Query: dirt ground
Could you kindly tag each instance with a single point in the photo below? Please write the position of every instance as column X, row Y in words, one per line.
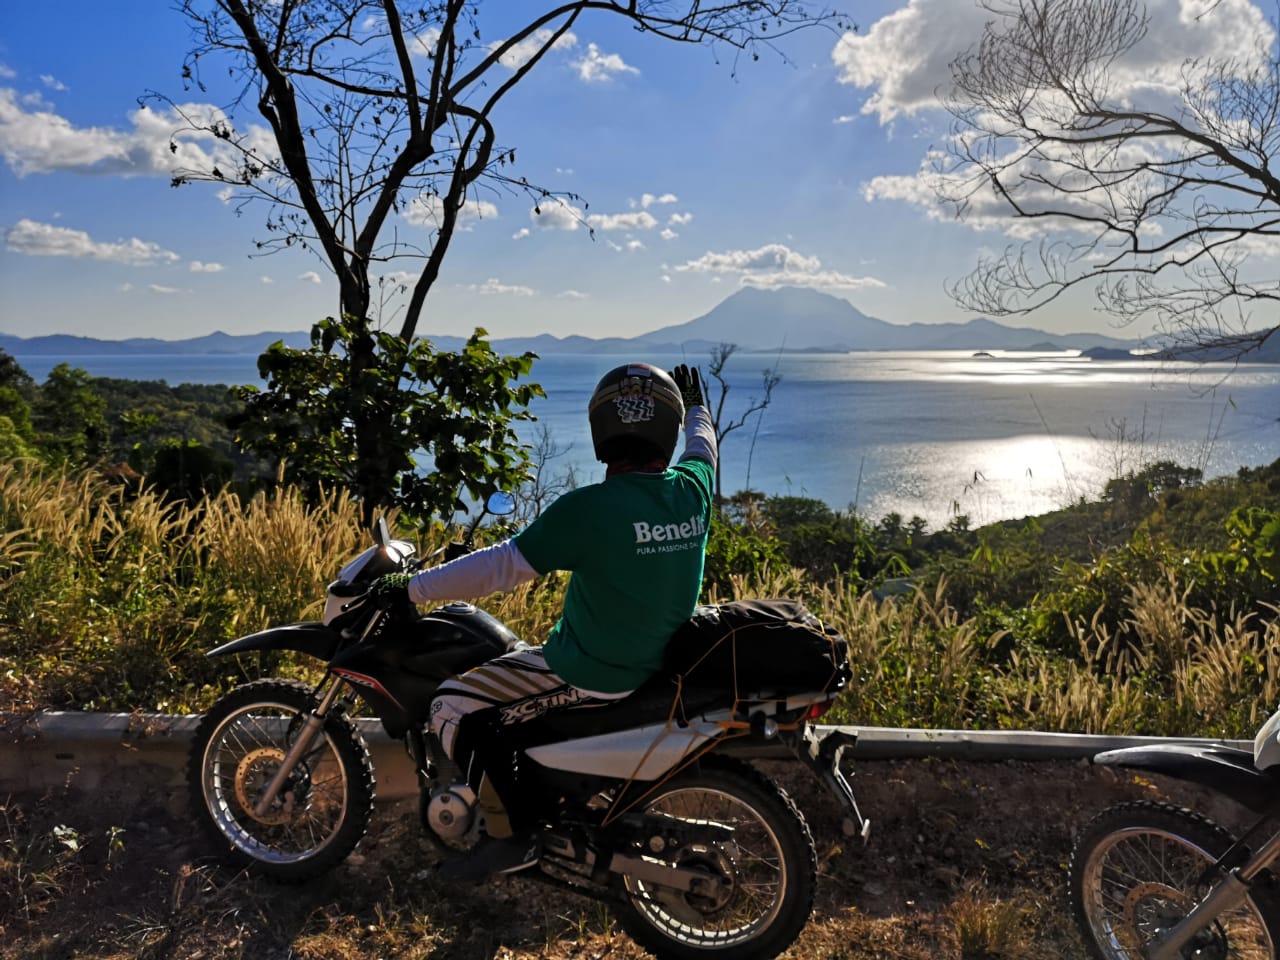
column 966, row 861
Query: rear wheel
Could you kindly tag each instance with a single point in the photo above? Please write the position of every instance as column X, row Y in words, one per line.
column 1134, row 874
column 766, row 871
column 322, row 811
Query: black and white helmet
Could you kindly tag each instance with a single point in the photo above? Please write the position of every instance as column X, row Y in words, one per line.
column 634, row 407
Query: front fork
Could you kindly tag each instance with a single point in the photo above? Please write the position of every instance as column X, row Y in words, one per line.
column 823, row 755
column 301, row 747
column 310, row 727
column 1227, row 894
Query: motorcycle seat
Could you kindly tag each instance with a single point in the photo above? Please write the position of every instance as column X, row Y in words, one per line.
column 653, row 702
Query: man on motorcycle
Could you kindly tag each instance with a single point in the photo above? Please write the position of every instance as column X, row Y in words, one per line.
column 634, row 545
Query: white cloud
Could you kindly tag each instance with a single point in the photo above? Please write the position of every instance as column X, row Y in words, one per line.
column 400, row 278
column 554, row 213
column 903, row 61
column 266, row 281
column 7, row 72
column 637, row 220
column 987, row 211
column 905, row 55
column 647, row 200
column 904, row 58
column 634, row 245
column 524, row 51
column 844, row 118
column 38, row 140
column 597, row 67
column 520, row 234
column 567, row 171
column 668, row 234
column 165, row 291
column 493, row 286
column 774, row 265
column 428, row 210
column 770, row 256
column 310, row 277
column 125, row 287
column 666, row 278
column 424, row 44
column 572, row 295
column 45, row 240
column 680, row 219
column 197, row 266
column 52, row 82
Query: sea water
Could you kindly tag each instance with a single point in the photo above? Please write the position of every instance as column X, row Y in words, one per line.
column 929, row 434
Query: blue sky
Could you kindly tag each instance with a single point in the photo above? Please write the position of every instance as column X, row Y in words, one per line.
column 809, row 170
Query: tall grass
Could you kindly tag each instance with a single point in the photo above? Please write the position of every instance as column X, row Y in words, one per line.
column 110, row 600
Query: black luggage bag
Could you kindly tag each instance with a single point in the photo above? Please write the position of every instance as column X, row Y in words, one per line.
column 754, row 647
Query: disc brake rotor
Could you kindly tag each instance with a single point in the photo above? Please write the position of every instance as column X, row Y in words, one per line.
column 1152, row 909
column 253, row 773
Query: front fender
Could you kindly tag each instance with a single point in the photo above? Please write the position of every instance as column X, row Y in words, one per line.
column 1227, row 770
column 313, row 639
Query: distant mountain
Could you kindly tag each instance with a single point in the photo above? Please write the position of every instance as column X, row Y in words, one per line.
column 1235, row 347
column 215, row 343
column 790, row 318
column 812, row 320
column 795, row 318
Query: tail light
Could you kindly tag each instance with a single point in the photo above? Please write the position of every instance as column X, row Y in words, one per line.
column 818, row 709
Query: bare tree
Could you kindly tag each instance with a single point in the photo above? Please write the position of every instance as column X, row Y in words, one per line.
column 377, row 108
column 544, row 486
column 380, row 118
column 1153, row 194
column 723, row 424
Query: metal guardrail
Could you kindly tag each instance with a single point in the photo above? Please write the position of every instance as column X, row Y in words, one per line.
column 53, row 748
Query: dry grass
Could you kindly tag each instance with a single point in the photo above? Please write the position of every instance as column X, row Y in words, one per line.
column 112, row 600
column 986, row 927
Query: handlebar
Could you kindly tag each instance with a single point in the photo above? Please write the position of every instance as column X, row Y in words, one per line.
column 498, row 505
column 452, row 551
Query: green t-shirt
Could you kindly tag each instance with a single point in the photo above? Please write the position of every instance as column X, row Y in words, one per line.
column 635, row 546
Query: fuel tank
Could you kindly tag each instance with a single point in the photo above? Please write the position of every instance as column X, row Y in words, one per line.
column 397, row 671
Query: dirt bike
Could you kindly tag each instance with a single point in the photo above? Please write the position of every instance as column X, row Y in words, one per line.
column 647, row 804
column 1151, row 881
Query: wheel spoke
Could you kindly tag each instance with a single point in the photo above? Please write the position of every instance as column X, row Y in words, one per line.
column 1138, row 877
column 749, row 868
column 237, row 778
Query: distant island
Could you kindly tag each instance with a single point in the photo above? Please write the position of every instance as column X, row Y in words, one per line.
column 793, row 319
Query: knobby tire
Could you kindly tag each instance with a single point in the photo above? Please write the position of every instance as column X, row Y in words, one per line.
column 1133, row 872
column 233, row 829
column 780, row 819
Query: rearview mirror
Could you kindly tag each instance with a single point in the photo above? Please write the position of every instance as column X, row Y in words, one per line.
column 381, row 533
column 501, row 503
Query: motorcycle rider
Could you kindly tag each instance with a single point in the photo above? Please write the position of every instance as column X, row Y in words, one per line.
column 634, row 545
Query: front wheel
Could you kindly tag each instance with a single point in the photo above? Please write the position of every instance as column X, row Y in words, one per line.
column 767, row 871
column 1134, row 874
column 322, row 811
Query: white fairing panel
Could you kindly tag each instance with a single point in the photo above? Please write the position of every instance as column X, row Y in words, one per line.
column 641, row 753
column 1266, row 745
column 397, row 550
column 350, row 571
